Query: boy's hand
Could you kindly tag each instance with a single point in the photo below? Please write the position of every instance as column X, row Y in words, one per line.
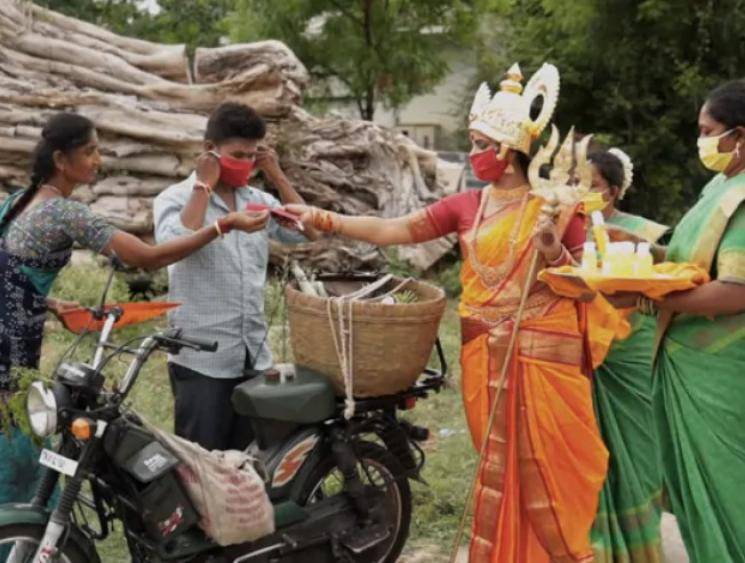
column 208, row 169
column 248, row 221
column 267, row 161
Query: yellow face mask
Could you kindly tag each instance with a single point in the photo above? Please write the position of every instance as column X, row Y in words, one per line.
column 593, row 201
column 708, row 152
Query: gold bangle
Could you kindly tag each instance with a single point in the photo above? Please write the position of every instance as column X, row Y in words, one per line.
column 217, row 228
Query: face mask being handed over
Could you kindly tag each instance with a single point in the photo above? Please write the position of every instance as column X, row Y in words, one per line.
column 234, row 172
column 487, row 167
column 708, row 152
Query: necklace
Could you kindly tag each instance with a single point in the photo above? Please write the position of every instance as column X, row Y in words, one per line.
column 506, row 195
column 491, row 276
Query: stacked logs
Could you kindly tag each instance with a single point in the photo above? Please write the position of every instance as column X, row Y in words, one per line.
column 149, row 104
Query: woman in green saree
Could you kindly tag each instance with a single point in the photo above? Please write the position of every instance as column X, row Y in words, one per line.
column 627, row 525
column 699, row 371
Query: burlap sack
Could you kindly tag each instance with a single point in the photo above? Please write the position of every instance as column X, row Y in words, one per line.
column 225, row 488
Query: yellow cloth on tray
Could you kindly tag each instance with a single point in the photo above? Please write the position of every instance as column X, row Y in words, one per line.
column 570, row 281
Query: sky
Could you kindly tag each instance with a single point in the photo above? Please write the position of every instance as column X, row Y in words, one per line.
column 150, row 5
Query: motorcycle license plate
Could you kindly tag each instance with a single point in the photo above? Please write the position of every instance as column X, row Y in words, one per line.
column 60, row 463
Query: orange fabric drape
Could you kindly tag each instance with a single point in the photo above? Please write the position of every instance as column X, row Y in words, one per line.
column 545, row 462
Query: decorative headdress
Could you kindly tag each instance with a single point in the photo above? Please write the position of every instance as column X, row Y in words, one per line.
column 505, row 117
column 570, row 177
column 628, row 169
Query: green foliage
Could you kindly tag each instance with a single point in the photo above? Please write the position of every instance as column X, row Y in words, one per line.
column 198, row 23
column 448, row 278
column 445, row 274
column 634, row 72
column 379, row 50
column 13, row 407
column 85, row 284
column 405, row 297
column 396, row 266
column 113, row 14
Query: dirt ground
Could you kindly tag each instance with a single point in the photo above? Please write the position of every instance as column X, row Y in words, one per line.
column 672, row 545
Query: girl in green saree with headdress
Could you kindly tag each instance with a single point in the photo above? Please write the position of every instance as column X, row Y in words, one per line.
column 627, row 525
column 699, row 370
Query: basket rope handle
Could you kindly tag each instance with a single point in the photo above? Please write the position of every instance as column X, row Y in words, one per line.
column 344, row 346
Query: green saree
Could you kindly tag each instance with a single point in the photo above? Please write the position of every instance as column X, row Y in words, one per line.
column 699, row 385
column 627, row 526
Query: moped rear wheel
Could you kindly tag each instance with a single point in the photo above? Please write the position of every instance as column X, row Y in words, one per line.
column 384, row 471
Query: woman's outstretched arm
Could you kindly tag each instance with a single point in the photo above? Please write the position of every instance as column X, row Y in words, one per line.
column 408, row 229
column 133, row 252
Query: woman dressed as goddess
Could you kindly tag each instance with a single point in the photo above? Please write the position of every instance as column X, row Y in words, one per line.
column 544, row 462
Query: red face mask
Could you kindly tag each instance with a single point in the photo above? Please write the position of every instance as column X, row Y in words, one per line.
column 486, row 166
column 235, row 172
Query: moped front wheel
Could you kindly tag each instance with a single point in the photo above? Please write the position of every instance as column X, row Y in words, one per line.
column 18, row 544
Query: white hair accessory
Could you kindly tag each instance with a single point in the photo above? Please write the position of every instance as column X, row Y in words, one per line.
column 628, row 169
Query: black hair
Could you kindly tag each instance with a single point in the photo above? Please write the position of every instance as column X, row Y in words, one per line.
column 609, row 166
column 63, row 132
column 231, row 120
column 726, row 104
column 523, row 161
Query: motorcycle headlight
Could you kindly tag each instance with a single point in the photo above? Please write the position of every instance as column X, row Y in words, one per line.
column 41, row 406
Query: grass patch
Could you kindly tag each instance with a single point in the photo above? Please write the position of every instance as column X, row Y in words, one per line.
column 450, row 457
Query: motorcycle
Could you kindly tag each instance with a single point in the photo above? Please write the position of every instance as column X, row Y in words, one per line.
column 339, row 488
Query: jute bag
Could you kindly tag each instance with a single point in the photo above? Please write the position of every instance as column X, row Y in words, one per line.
column 225, row 488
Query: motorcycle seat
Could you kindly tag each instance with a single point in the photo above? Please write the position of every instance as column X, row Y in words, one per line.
column 306, row 398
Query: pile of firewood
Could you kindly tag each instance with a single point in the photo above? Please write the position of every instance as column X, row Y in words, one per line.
column 149, row 104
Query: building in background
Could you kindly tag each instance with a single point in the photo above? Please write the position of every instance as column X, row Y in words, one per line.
column 434, row 121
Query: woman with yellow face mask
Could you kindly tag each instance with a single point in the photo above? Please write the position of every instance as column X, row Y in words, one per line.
column 627, row 525
column 699, row 369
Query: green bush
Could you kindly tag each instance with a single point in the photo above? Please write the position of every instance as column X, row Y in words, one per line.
column 398, row 267
column 447, row 277
column 85, row 283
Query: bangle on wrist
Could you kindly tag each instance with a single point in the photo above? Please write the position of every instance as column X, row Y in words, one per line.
column 646, row 306
column 216, row 225
column 562, row 259
column 203, row 186
column 326, row 221
column 225, row 225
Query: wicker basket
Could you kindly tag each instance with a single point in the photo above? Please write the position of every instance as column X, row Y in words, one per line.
column 392, row 343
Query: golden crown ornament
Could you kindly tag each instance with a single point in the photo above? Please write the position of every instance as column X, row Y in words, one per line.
column 505, row 117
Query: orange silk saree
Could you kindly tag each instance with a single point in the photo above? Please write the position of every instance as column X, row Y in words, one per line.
column 545, row 463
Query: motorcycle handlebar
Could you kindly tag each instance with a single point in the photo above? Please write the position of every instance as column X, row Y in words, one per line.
column 175, row 338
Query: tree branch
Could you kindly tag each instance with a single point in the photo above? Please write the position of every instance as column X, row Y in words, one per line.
column 346, row 13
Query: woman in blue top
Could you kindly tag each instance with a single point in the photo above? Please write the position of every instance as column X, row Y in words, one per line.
column 38, row 228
